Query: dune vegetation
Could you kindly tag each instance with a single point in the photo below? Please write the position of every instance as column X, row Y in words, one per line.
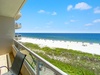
column 70, row 61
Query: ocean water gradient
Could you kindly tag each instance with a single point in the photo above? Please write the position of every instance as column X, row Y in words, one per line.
column 79, row 37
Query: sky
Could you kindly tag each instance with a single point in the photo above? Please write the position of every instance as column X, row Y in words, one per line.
column 60, row 16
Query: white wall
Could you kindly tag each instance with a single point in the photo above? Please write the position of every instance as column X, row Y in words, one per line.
column 7, row 33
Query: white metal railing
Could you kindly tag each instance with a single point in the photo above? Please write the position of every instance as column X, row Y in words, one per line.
column 17, row 25
column 18, row 36
column 39, row 59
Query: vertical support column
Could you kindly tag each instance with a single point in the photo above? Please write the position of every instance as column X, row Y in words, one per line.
column 37, row 68
column 7, row 32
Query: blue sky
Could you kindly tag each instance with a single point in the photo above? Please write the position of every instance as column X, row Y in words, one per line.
column 60, row 16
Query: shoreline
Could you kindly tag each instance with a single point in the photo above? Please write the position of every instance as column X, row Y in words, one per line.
column 93, row 48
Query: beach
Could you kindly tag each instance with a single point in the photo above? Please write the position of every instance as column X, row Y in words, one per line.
column 93, row 48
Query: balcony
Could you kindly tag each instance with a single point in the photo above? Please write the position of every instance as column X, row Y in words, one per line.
column 17, row 36
column 17, row 25
column 18, row 16
column 33, row 64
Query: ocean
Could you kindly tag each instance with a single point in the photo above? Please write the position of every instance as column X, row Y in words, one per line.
column 79, row 37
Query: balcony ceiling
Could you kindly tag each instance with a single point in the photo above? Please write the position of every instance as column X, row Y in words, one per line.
column 10, row 8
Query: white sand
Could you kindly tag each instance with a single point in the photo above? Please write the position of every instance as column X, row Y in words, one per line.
column 84, row 47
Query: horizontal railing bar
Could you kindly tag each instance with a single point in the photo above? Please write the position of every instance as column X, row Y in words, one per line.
column 49, row 65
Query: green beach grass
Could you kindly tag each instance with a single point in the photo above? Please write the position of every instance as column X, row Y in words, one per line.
column 74, row 62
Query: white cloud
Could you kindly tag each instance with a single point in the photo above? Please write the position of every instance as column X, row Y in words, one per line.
column 46, row 12
column 97, row 10
column 82, row 6
column 73, row 20
column 93, row 23
column 70, row 21
column 49, row 23
column 96, row 21
column 66, row 23
column 69, row 7
column 54, row 13
column 88, row 24
column 41, row 11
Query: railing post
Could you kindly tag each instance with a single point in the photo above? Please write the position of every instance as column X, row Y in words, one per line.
column 37, row 68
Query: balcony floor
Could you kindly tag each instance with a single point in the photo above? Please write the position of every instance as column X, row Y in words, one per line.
column 3, row 62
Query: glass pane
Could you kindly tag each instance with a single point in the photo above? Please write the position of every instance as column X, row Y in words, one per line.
column 45, row 70
column 30, row 59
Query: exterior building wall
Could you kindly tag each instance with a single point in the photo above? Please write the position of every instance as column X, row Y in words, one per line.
column 7, row 33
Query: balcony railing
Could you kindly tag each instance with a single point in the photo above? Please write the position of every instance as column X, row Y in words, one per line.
column 18, row 36
column 36, row 64
column 17, row 25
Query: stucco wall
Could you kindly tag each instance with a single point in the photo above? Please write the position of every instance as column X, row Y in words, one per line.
column 7, row 33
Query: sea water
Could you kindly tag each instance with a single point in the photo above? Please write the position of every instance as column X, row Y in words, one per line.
column 79, row 37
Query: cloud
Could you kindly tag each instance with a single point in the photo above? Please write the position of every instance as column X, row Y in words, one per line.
column 54, row 13
column 41, row 11
column 96, row 21
column 88, row 24
column 49, row 23
column 46, row 12
column 66, row 23
column 93, row 23
column 97, row 10
column 82, row 6
column 70, row 21
column 69, row 7
column 73, row 20
column 79, row 6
